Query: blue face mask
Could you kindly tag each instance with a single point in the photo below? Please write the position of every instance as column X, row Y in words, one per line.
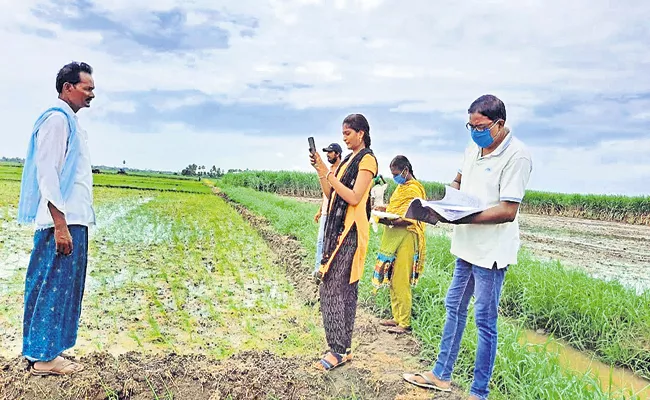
column 482, row 138
column 399, row 179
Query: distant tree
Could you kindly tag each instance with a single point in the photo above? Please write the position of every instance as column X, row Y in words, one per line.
column 190, row 170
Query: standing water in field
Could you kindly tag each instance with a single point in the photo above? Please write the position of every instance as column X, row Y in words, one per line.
column 612, row 379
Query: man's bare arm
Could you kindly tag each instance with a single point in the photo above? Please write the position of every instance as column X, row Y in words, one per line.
column 62, row 236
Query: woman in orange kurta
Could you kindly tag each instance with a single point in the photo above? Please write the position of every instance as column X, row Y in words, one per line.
column 345, row 241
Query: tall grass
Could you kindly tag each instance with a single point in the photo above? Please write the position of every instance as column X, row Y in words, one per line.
column 282, row 182
column 635, row 210
column 303, row 184
column 591, row 314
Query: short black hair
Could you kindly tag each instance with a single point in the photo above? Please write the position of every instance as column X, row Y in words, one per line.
column 490, row 106
column 70, row 73
column 358, row 122
column 402, row 163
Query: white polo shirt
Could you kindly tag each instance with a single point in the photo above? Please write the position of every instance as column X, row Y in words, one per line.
column 499, row 176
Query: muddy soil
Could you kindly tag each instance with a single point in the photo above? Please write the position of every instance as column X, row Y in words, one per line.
column 380, row 358
column 247, row 375
column 607, row 250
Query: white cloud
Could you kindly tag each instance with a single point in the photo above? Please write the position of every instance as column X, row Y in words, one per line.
column 421, row 57
column 611, row 167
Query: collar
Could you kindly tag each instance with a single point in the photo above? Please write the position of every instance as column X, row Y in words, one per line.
column 503, row 146
column 62, row 104
column 499, row 150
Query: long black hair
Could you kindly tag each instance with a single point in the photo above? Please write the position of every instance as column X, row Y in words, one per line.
column 358, row 122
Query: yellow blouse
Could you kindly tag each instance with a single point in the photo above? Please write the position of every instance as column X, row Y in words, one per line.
column 356, row 215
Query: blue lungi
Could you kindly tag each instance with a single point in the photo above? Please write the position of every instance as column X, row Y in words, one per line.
column 54, row 288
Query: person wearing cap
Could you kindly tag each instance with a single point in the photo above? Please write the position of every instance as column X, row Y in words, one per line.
column 333, row 152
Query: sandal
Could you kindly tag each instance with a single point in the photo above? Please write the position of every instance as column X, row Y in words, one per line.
column 399, row 330
column 325, row 365
column 387, row 322
column 429, row 383
column 61, row 366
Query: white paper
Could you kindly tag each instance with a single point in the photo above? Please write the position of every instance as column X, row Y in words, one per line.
column 382, row 214
column 454, row 206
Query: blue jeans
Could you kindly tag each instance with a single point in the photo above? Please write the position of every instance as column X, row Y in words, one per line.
column 485, row 284
column 319, row 243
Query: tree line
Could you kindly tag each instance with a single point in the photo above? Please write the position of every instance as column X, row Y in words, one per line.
column 200, row 170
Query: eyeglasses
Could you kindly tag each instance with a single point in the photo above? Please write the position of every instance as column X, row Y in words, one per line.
column 480, row 128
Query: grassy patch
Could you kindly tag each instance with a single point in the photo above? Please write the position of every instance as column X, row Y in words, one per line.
column 178, row 272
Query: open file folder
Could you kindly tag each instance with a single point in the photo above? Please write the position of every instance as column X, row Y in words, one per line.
column 454, row 206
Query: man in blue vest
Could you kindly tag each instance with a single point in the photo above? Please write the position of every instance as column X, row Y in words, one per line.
column 56, row 195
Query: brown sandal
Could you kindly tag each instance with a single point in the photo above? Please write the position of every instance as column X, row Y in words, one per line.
column 61, row 366
column 399, row 330
column 387, row 322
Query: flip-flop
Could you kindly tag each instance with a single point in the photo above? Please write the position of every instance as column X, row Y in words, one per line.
column 58, row 368
column 428, row 385
column 325, row 365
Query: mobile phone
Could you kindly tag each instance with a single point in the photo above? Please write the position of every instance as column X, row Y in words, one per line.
column 312, row 145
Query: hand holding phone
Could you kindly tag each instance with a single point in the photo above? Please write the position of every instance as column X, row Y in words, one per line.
column 312, row 145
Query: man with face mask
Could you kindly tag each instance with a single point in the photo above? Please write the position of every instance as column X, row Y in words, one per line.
column 495, row 168
column 56, row 195
column 333, row 152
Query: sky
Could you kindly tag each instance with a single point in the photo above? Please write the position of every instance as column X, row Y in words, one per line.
column 243, row 84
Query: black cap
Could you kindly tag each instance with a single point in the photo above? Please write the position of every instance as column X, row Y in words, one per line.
column 334, row 147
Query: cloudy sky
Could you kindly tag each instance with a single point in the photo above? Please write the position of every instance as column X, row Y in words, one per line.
column 243, row 84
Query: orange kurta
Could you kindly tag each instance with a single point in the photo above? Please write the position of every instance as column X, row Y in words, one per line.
column 356, row 215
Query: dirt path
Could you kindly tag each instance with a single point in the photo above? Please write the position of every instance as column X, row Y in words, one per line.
column 380, row 358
